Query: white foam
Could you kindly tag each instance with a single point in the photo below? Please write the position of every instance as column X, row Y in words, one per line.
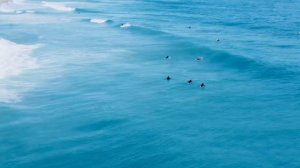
column 15, row 58
column 98, row 21
column 10, row 6
column 125, row 25
column 58, row 6
column 6, row 6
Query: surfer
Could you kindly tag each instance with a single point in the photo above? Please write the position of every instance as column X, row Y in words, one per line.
column 125, row 25
column 168, row 78
column 199, row 58
column 189, row 81
column 167, row 57
column 202, row 85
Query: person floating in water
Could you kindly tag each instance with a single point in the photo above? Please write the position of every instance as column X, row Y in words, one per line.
column 218, row 40
column 189, row 81
column 167, row 57
column 202, row 85
column 168, row 78
column 199, row 58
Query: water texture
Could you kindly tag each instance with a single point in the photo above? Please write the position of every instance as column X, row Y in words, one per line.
column 83, row 84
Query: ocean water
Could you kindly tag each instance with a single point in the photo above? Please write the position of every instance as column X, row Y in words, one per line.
column 82, row 84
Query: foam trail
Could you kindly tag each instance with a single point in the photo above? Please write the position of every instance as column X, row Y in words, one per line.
column 125, row 25
column 98, row 21
column 58, row 6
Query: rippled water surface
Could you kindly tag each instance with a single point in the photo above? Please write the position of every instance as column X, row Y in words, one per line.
column 82, row 84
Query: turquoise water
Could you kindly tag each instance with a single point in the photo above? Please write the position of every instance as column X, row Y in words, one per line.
column 80, row 94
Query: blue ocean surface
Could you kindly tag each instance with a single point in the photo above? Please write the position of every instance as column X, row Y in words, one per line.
column 83, row 84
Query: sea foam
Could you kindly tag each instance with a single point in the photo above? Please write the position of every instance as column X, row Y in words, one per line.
column 125, row 25
column 98, row 21
column 15, row 58
column 58, row 6
column 6, row 6
column 9, row 6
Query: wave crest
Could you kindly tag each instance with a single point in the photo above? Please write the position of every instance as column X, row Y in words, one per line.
column 58, row 6
column 98, row 21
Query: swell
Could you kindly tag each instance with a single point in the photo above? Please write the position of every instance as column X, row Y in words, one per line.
column 241, row 63
column 88, row 11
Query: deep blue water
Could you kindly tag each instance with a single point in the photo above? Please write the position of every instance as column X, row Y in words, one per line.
column 94, row 95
